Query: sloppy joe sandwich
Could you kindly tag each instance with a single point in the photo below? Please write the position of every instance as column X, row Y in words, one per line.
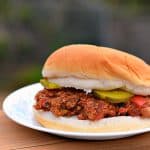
column 89, row 88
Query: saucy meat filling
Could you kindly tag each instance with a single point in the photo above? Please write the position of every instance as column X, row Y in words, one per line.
column 73, row 102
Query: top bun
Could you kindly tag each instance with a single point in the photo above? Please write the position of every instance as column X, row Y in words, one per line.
column 94, row 62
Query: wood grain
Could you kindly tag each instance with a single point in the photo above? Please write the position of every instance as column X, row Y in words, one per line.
column 14, row 136
column 136, row 143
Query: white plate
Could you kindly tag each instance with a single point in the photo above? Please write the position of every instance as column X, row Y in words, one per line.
column 18, row 107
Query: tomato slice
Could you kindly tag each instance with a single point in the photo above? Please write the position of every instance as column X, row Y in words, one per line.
column 139, row 100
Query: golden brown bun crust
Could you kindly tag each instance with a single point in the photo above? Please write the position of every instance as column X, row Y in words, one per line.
column 94, row 62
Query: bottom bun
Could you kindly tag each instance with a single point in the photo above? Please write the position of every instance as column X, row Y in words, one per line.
column 113, row 124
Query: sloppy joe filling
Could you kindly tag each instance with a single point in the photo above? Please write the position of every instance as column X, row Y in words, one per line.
column 72, row 102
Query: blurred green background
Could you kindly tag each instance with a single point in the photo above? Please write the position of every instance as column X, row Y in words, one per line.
column 32, row 29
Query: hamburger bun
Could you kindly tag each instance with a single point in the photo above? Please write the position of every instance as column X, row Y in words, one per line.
column 72, row 124
column 93, row 67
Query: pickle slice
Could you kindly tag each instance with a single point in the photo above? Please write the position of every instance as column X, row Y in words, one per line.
column 49, row 85
column 114, row 96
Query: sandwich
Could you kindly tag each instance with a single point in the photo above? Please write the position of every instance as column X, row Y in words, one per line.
column 88, row 88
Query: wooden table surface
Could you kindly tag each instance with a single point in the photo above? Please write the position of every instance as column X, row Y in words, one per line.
column 14, row 136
